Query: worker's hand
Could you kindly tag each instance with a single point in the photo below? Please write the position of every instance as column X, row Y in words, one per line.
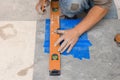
column 69, row 38
column 39, row 5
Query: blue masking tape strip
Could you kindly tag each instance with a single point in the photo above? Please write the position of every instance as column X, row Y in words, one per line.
column 65, row 24
column 82, row 41
column 76, row 53
column 72, row 51
column 83, row 37
column 80, row 50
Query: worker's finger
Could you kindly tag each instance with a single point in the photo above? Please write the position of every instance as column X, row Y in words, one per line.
column 68, row 44
column 39, row 11
column 59, row 31
column 63, row 45
column 59, row 40
column 71, row 46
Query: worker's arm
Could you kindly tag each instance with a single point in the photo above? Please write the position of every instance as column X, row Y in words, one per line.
column 71, row 36
column 93, row 17
column 38, row 6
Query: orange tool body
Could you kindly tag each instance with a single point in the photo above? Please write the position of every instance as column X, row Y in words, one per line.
column 117, row 39
column 54, row 60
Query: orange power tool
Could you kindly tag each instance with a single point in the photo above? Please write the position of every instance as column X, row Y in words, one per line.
column 54, row 60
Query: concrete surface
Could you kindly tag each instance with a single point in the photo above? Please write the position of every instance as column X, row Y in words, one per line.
column 18, row 10
column 104, row 63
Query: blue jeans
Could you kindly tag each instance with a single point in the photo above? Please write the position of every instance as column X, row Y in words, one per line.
column 74, row 7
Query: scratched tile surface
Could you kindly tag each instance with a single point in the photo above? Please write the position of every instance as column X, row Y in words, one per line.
column 17, row 45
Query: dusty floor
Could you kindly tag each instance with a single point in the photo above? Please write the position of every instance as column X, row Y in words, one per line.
column 104, row 63
column 18, row 10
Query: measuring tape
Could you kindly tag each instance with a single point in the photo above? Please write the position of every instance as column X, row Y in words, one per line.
column 54, row 60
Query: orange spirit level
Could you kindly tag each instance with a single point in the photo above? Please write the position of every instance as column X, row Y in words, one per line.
column 54, row 62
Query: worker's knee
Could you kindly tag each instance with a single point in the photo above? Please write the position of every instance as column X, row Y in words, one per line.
column 73, row 6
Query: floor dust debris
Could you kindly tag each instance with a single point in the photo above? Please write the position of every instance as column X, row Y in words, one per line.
column 7, row 31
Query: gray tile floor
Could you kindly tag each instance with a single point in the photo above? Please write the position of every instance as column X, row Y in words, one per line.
column 104, row 63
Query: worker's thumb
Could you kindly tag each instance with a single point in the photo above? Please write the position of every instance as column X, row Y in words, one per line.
column 59, row 31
